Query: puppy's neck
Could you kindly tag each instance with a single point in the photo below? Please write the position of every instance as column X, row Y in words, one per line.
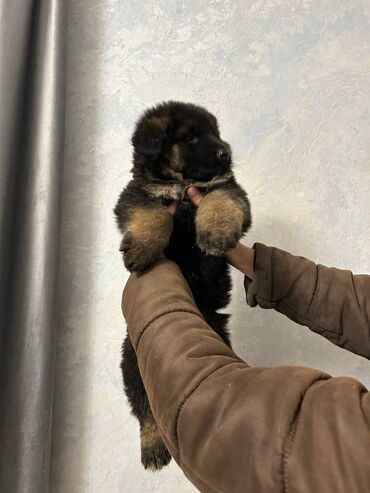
column 176, row 189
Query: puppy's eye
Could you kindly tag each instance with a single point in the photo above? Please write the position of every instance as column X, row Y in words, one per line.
column 192, row 139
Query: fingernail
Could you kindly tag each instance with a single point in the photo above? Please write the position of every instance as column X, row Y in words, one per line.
column 192, row 192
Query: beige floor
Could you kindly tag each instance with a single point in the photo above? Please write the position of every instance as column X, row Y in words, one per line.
column 290, row 83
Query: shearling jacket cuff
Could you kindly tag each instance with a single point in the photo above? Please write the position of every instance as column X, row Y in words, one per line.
column 259, row 291
column 331, row 302
column 282, row 281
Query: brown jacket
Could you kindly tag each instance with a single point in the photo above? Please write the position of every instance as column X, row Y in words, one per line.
column 233, row 428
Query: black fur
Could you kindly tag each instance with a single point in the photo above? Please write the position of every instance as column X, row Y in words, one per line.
column 194, row 132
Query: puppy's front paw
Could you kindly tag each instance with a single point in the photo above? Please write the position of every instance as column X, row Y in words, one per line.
column 148, row 234
column 219, row 223
column 136, row 256
column 218, row 242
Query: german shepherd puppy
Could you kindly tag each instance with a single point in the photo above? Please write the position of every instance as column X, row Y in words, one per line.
column 176, row 145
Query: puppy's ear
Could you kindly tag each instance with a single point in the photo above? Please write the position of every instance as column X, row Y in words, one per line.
column 149, row 136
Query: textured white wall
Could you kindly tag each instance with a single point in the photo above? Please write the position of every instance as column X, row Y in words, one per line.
column 290, row 84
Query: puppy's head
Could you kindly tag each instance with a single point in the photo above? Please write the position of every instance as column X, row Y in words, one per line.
column 180, row 141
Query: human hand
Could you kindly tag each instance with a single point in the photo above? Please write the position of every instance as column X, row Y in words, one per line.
column 241, row 256
column 172, row 207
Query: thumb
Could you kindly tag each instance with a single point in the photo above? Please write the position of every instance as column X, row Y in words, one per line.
column 194, row 195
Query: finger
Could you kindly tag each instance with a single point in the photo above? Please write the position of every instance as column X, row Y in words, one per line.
column 194, row 195
column 172, row 207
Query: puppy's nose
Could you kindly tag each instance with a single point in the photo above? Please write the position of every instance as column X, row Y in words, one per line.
column 223, row 154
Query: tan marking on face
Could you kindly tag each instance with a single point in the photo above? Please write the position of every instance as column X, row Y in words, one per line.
column 176, row 160
column 160, row 122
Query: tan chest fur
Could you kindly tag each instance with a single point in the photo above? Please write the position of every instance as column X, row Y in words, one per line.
column 176, row 190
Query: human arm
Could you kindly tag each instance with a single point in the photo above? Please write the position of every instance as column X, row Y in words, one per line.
column 233, row 428
column 331, row 302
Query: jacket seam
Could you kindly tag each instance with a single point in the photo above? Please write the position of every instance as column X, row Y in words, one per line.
column 355, row 291
column 315, row 293
column 288, row 448
column 292, row 432
column 186, row 398
column 175, row 310
column 302, row 318
column 307, row 322
column 271, row 279
column 181, row 407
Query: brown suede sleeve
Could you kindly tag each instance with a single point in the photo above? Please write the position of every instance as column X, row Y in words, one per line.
column 233, row 428
column 332, row 302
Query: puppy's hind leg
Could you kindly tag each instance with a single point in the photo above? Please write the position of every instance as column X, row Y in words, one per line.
column 154, row 453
